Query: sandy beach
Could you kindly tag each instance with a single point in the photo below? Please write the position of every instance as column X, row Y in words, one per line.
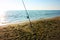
column 42, row 29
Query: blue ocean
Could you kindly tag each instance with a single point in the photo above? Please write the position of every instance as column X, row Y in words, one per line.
column 20, row 15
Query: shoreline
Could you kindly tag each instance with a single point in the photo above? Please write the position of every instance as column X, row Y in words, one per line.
column 27, row 21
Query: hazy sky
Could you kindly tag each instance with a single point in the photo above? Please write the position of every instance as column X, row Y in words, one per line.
column 30, row 5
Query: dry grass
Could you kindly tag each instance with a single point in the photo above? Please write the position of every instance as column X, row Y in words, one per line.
column 47, row 29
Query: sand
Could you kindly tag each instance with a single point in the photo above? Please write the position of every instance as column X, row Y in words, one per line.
column 42, row 29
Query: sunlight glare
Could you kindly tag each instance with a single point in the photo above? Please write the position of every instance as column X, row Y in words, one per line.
column 2, row 18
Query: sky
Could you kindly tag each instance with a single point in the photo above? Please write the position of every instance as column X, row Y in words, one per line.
column 30, row 5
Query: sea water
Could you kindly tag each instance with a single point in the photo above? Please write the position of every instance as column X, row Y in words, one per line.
column 20, row 15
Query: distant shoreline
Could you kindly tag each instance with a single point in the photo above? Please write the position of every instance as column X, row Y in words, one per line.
column 27, row 21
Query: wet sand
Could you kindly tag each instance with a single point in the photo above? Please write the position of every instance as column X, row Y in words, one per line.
column 45, row 29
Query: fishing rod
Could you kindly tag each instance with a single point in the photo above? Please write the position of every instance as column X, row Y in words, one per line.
column 27, row 14
column 32, row 28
